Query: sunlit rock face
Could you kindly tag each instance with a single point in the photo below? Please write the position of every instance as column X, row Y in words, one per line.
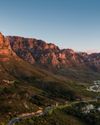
column 5, row 49
column 49, row 55
column 46, row 54
column 1, row 40
column 4, row 45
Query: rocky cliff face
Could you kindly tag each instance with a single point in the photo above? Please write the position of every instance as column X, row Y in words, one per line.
column 47, row 54
column 6, row 51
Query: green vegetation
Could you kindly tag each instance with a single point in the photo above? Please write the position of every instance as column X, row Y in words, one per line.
column 79, row 74
column 34, row 87
column 92, row 117
column 58, row 117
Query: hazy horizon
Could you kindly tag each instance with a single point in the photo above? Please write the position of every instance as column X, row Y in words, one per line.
column 71, row 24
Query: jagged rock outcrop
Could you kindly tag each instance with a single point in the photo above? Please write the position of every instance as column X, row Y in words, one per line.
column 1, row 40
column 6, row 51
column 47, row 54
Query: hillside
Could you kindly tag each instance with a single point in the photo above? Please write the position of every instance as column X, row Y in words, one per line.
column 39, row 52
column 25, row 86
column 66, row 62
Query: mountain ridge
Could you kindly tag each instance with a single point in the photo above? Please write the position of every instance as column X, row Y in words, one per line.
column 49, row 55
column 26, row 83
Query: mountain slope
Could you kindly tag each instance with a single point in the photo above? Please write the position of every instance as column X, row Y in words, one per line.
column 40, row 52
column 25, row 85
column 78, row 66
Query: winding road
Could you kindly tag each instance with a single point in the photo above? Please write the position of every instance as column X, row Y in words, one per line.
column 25, row 116
column 40, row 112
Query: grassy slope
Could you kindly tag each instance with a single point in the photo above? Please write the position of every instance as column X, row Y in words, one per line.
column 30, row 81
column 81, row 74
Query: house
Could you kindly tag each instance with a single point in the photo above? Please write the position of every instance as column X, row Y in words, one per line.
column 88, row 108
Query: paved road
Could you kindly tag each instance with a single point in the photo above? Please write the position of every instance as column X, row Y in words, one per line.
column 25, row 115
column 14, row 120
column 41, row 112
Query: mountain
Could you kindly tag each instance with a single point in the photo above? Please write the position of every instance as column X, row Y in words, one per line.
column 62, row 62
column 36, row 74
column 65, row 62
column 25, row 87
column 48, row 54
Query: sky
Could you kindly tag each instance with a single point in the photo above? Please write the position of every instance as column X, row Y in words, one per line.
column 67, row 23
